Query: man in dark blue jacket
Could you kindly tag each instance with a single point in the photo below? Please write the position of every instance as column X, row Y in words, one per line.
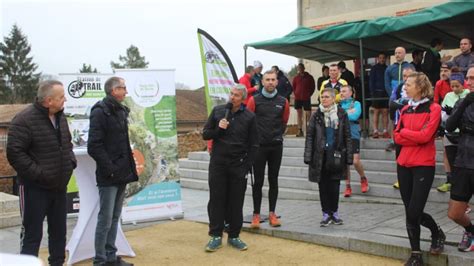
column 109, row 146
column 377, row 90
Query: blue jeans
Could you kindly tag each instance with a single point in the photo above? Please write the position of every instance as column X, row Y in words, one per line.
column 111, row 201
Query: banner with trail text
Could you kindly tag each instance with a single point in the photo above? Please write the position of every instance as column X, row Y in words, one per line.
column 219, row 73
column 152, row 131
column 82, row 92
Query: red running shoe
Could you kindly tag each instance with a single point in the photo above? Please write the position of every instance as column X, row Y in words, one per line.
column 255, row 221
column 364, row 185
column 348, row 192
column 273, row 219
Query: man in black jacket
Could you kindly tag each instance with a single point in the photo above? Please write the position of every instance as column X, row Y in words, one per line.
column 40, row 150
column 462, row 188
column 432, row 62
column 109, row 146
column 346, row 74
column 233, row 130
column 272, row 112
column 284, row 87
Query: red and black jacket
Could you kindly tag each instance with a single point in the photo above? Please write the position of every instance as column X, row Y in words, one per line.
column 415, row 133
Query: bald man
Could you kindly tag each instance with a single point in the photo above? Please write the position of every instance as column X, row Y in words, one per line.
column 393, row 78
column 394, row 73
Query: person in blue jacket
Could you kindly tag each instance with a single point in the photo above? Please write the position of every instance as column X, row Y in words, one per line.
column 354, row 111
column 394, row 73
column 393, row 79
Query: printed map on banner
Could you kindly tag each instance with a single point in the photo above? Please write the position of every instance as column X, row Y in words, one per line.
column 153, row 133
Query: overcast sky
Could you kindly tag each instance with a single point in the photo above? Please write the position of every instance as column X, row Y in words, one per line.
column 65, row 34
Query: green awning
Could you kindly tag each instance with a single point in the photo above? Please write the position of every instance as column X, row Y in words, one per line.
column 450, row 22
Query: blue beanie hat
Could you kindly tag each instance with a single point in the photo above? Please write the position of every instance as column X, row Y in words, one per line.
column 457, row 76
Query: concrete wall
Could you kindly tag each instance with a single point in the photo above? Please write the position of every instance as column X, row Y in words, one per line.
column 318, row 13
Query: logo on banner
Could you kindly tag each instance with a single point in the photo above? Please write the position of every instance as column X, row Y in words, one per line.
column 146, row 92
column 76, row 89
column 87, row 87
column 211, row 56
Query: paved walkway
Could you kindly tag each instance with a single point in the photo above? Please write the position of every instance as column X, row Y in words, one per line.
column 373, row 228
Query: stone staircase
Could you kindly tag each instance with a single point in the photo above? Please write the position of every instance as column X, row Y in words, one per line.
column 379, row 165
column 9, row 210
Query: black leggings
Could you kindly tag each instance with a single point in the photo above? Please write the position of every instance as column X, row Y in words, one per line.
column 329, row 193
column 415, row 185
column 272, row 155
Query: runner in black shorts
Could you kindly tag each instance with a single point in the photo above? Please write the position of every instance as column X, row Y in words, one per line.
column 306, row 105
column 303, row 88
column 377, row 90
column 356, row 146
column 462, row 189
column 463, row 184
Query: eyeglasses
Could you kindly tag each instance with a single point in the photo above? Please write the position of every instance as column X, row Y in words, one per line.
column 121, row 87
column 325, row 97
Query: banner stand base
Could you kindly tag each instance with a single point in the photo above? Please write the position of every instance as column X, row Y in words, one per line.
column 156, row 219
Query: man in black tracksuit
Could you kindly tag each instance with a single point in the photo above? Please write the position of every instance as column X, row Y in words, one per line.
column 40, row 150
column 272, row 112
column 233, row 130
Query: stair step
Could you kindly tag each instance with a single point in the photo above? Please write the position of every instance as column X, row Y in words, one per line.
column 302, row 171
column 302, row 182
column 389, row 177
column 381, row 144
column 370, row 154
column 293, row 194
column 10, row 219
column 293, row 142
column 283, row 193
column 283, row 181
column 9, row 203
column 379, row 164
column 384, row 190
column 391, row 166
column 376, row 189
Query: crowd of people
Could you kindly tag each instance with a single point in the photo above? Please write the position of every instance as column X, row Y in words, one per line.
column 425, row 99
column 248, row 134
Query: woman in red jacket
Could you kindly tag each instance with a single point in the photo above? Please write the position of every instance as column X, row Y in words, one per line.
column 415, row 133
